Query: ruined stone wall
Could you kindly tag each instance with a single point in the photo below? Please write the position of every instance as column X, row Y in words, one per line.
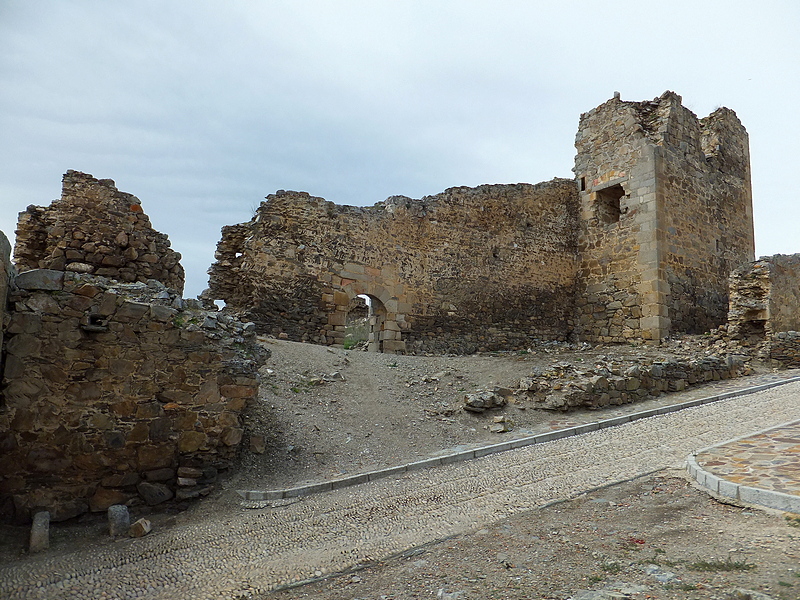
column 471, row 268
column 6, row 271
column 765, row 306
column 116, row 393
column 94, row 228
column 704, row 184
column 784, row 294
column 666, row 215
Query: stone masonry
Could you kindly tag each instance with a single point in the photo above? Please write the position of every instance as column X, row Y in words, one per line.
column 639, row 245
column 94, row 228
column 6, row 271
column 666, row 216
column 115, row 390
column 484, row 268
column 765, row 307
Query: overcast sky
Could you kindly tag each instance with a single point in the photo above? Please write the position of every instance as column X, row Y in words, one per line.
column 202, row 108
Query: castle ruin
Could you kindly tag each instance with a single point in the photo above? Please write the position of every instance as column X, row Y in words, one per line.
column 638, row 246
column 117, row 390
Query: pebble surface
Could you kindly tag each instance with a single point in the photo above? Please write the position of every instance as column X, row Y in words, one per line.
column 244, row 553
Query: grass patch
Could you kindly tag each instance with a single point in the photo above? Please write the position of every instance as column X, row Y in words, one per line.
column 721, row 565
column 793, row 520
column 784, row 584
column 684, row 587
column 611, row 567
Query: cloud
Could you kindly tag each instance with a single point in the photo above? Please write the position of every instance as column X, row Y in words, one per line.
column 202, row 108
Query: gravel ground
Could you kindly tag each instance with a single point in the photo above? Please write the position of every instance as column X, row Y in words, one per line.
column 218, row 550
column 325, row 412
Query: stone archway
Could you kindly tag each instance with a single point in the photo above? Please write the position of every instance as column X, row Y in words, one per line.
column 384, row 320
column 377, row 320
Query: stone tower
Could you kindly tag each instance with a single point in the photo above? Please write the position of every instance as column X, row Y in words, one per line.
column 666, row 215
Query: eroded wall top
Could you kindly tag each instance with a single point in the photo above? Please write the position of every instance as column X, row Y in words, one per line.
column 96, row 229
column 469, row 268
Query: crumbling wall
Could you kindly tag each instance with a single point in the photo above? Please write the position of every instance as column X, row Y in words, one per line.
column 704, row 182
column 116, row 393
column 94, row 228
column 468, row 269
column 666, row 215
column 6, row 271
column 765, row 306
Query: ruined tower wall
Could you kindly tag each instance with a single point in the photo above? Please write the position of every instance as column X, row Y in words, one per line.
column 467, row 269
column 765, row 296
column 704, row 184
column 116, row 393
column 6, row 271
column 765, row 307
column 617, row 244
column 94, row 228
column 666, row 215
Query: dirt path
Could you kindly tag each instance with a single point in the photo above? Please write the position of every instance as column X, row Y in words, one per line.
column 325, row 412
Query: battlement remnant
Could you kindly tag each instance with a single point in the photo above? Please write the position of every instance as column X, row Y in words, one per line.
column 96, row 229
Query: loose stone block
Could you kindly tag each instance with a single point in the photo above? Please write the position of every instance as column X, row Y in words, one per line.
column 40, row 532
column 40, row 279
column 257, row 444
column 154, row 493
column 140, row 528
column 119, row 520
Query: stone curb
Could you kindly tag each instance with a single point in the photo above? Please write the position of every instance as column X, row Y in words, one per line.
column 722, row 488
column 540, row 438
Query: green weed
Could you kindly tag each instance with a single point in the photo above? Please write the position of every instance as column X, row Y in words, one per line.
column 721, row 565
column 793, row 520
column 611, row 567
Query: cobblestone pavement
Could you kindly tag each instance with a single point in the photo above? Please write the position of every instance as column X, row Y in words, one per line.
column 769, row 460
column 237, row 553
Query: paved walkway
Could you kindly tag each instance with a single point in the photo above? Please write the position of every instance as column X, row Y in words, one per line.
column 763, row 468
column 216, row 552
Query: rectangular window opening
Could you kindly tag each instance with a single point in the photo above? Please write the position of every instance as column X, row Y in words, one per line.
column 608, row 203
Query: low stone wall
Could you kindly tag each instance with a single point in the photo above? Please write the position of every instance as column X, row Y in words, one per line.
column 784, row 348
column 116, row 393
column 565, row 388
